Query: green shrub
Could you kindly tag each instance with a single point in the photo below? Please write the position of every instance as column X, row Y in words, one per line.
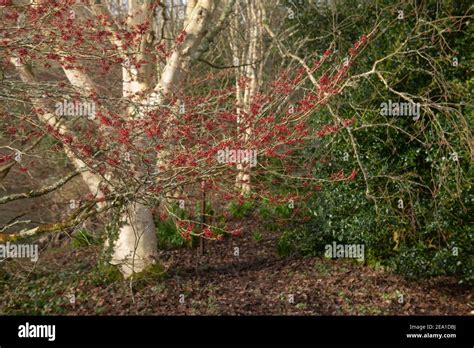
column 425, row 165
column 240, row 210
column 168, row 235
column 83, row 238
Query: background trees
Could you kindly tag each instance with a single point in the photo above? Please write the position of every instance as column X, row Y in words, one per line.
column 410, row 202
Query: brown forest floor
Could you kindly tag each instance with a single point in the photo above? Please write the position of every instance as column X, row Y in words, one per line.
column 258, row 282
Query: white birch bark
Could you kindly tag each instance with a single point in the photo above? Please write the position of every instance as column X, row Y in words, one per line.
column 135, row 248
column 249, row 56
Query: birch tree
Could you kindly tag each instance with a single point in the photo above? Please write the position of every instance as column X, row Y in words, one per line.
column 143, row 85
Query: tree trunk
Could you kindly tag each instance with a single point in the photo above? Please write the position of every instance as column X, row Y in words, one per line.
column 248, row 57
column 136, row 246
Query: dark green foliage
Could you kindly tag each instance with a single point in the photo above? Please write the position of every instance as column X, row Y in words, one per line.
column 168, row 235
column 240, row 210
column 414, row 203
column 83, row 238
